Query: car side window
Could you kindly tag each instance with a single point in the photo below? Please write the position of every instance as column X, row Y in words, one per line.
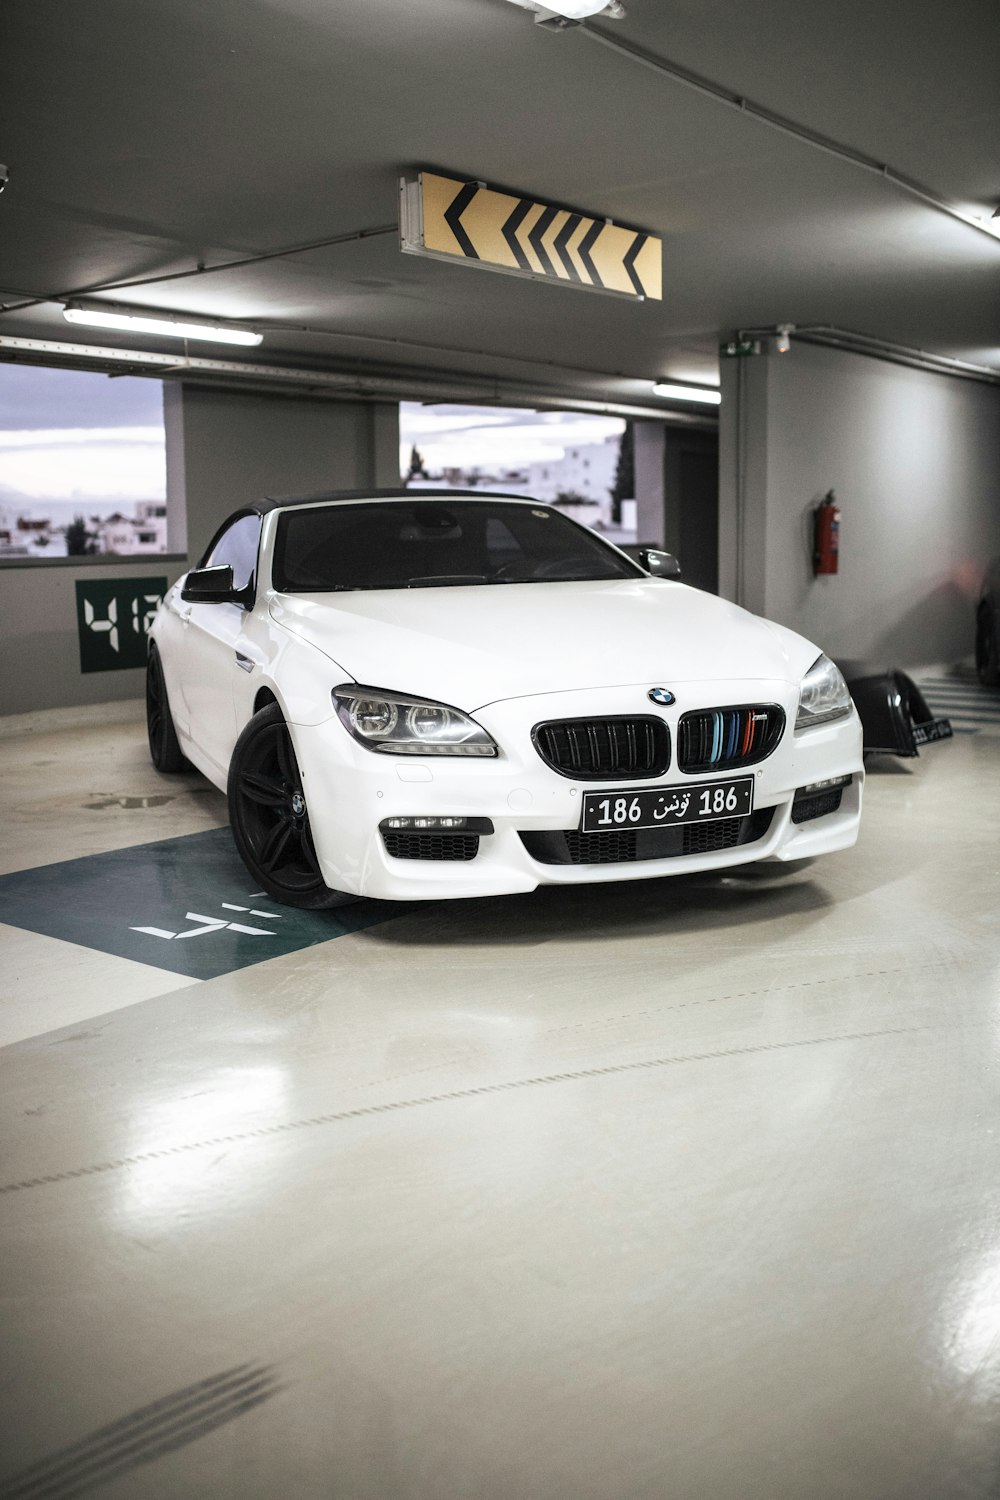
column 237, row 546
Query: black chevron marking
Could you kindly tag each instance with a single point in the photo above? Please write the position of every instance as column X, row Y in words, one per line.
column 510, row 228
column 453, row 217
column 535, row 239
column 634, row 249
column 586, row 245
column 562, row 241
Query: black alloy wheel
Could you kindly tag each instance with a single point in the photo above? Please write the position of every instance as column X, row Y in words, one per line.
column 987, row 648
column 269, row 818
column 164, row 750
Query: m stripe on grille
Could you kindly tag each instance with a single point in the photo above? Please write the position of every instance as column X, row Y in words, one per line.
column 713, row 739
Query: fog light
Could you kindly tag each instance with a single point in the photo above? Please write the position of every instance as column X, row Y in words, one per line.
column 415, row 822
column 451, row 823
column 827, row 785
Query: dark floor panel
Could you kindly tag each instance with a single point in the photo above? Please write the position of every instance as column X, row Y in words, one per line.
column 183, row 904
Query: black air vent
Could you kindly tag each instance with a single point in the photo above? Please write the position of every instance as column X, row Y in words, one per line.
column 619, row 749
column 439, row 846
column 724, row 739
column 622, row 846
column 810, row 805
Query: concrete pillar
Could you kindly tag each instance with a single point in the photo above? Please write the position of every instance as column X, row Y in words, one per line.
column 238, row 447
column 649, row 483
column 384, row 418
column 914, row 459
column 743, row 459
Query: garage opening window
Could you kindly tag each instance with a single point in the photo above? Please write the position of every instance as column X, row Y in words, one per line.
column 82, row 465
column 569, row 459
column 436, row 544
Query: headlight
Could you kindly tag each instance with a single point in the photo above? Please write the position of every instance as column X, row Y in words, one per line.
column 823, row 695
column 408, row 726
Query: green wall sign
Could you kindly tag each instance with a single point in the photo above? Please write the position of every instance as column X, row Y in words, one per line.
column 113, row 617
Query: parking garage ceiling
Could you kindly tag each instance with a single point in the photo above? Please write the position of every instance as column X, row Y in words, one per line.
column 146, row 140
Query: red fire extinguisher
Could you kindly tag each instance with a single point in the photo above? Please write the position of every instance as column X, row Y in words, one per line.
column 826, row 536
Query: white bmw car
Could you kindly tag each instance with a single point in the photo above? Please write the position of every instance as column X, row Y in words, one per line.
column 422, row 695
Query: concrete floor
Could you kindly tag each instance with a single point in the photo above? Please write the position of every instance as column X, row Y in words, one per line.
column 687, row 1190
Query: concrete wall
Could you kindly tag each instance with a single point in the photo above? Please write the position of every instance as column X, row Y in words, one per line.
column 223, row 448
column 914, row 459
column 676, row 487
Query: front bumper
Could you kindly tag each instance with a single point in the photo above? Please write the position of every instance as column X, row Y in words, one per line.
column 351, row 790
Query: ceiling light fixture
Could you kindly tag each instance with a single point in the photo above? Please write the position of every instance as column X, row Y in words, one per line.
column 988, row 221
column 572, row 11
column 687, row 393
column 132, row 320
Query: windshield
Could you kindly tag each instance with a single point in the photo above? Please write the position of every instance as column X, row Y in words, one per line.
column 435, row 544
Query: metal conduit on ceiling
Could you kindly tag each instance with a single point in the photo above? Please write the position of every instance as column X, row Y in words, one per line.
column 334, row 384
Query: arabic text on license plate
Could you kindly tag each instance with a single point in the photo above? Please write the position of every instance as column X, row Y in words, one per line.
column 662, row 806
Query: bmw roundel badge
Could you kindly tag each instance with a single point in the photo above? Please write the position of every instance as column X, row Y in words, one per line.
column 660, row 695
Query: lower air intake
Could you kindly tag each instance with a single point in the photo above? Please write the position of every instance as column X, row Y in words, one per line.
column 437, row 846
column 624, row 846
column 808, row 806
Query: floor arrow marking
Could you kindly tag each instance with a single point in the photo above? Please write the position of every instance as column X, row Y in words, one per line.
column 212, row 924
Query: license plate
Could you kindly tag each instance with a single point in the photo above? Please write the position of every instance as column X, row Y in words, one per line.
column 934, row 729
column 662, row 806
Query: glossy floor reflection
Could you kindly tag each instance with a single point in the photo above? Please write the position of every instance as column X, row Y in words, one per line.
column 685, row 1189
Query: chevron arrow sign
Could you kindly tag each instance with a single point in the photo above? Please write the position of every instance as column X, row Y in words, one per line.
column 449, row 218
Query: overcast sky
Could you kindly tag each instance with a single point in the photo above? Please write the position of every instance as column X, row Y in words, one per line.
column 75, row 439
column 34, row 397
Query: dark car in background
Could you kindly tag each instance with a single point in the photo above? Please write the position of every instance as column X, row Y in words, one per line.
column 988, row 628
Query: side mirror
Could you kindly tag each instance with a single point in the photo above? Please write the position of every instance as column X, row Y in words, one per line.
column 215, row 586
column 659, row 564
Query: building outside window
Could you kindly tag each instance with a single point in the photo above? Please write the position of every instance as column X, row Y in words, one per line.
column 82, row 465
column 568, row 459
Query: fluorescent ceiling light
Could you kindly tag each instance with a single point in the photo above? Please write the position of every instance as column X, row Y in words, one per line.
column 990, row 225
column 177, row 328
column 573, row 10
column 688, row 393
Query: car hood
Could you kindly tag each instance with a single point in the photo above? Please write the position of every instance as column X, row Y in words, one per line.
column 478, row 645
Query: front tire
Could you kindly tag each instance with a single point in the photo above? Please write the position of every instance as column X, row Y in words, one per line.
column 164, row 750
column 269, row 818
